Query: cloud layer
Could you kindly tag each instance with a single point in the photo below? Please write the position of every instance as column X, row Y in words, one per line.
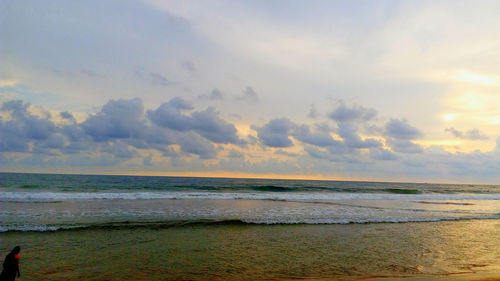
column 122, row 133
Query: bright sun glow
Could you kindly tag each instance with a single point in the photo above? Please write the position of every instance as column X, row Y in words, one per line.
column 476, row 78
column 450, row 116
column 8, row 83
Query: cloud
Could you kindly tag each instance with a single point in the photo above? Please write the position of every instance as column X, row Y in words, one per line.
column 119, row 149
column 169, row 115
column 158, row 79
column 401, row 130
column 235, row 154
column 117, row 119
column 276, row 132
column 404, row 146
column 400, row 136
column 285, row 153
column 23, row 127
column 249, row 95
column 215, row 94
column 355, row 113
column 382, row 154
column 67, row 115
column 304, row 134
column 121, row 134
column 120, row 126
column 313, row 113
column 207, row 123
column 473, row 134
column 194, row 144
column 349, row 134
column 189, row 66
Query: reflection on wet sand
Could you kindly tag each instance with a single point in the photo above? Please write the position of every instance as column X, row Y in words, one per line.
column 462, row 250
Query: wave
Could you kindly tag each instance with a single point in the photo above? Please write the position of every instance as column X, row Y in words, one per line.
column 446, row 203
column 24, row 196
column 208, row 188
column 156, row 225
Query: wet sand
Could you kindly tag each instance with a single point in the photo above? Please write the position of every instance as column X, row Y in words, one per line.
column 461, row 250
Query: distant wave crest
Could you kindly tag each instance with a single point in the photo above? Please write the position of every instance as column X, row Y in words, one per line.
column 25, row 196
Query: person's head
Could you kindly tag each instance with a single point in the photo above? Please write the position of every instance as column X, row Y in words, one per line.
column 16, row 250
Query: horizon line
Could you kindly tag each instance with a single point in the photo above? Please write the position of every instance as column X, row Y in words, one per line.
column 236, row 176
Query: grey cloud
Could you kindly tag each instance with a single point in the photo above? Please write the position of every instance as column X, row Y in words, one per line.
column 169, row 115
column 400, row 135
column 55, row 141
column 12, row 139
column 215, row 94
column 117, row 119
column 17, row 108
column 119, row 126
column 23, row 127
column 118, row 149
column 249, row 95
column 67, row 115
column 304, row 134
column 340, row 148
column 324, row 127
column 349, row 156
column 208, row 124
column 160, row 136
column 313, row 114
column 180, row 103
column 382, row 154
column 235, row 154
column 349, row 134
column 454, row 132
column 416, row 163
column 317, row 153
column 189, row 66
column 276, row 132
column 148, row 160
column 400, row 129
column 473, row 134
column 405, row 146
column 285, row 153
column 333, row 153
column 158, row 79
column 170, row 152
column 194, row 144
column 355, row 113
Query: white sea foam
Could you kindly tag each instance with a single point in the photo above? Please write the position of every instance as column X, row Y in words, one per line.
column 14, row 196
column 35, row 227
column 156, row 224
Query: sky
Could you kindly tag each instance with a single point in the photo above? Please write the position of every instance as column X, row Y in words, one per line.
column 343, row 90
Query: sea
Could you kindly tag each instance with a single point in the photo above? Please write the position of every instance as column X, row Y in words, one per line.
column 109, row 227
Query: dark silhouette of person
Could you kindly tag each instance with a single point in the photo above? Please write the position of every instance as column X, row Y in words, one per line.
column 11, row 265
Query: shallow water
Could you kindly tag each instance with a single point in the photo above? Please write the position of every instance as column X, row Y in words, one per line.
column 261, row 252
column 54, row 215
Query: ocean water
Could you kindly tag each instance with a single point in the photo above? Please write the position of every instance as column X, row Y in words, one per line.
column 89, row 227
column 42, row 202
